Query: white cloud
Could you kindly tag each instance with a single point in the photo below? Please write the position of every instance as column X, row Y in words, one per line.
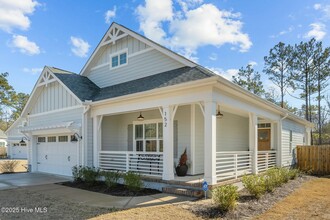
column 287, row 31
column 253, row 63
column 325, row 9
column 213, row 56
column 190, row 28
column 110, row 14
column 24, row 45
column 317, row 6
column 151, row 17
column 227, row 74
column 79, row 47
column 317, row 31
column 14, row 14
column 32, row 71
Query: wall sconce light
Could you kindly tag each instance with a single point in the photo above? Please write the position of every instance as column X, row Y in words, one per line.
column 219, row 114
column 75, row 137
column 140, row 118
column 22, row 141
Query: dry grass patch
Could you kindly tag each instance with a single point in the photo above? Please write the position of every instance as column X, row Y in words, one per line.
column 311, row 201
column 165, row 212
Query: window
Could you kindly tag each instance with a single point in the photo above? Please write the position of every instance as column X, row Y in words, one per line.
column 119, row 59
column 51, row 139
column 149, row 137
column 114, row 61
column 264, row 125
column 2, row 144
column 41, row 139
column 23, row 145
column 15, row 144
column 63, row 139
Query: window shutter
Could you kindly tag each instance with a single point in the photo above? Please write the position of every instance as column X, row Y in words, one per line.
column 175, row 138
column 130, row 137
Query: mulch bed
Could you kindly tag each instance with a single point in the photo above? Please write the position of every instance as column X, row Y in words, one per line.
column 118, row 190
column 247, row 206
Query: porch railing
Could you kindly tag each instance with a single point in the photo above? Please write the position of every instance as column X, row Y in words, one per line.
column 146, row 163
column 266, row 160
column 232, row 164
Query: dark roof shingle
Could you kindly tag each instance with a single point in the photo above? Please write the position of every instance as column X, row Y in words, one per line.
column 85, row 89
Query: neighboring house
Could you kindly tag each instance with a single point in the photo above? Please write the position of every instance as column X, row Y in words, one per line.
column 3, row 139
column 137, row 106
column 17, row 145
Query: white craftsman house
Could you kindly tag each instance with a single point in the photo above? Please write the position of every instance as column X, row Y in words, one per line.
column 17, row 144
column 137, row 106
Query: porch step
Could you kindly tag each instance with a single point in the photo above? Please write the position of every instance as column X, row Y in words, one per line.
column 198, row 193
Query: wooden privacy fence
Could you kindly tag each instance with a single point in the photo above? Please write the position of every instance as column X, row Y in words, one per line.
column 314, row 159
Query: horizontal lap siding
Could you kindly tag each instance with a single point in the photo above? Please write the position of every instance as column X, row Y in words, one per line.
column 74, row 115
column 53, row 97
column 297, row 139
column 139, row 66
column 199, row 141
column 232, row 133
column 115, row 132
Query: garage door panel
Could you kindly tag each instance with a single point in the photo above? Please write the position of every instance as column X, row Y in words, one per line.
column 57, row 157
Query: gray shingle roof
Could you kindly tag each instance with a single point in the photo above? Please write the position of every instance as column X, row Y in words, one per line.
column 85, row 89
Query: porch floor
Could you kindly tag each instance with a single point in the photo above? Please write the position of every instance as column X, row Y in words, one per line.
column 192, row 181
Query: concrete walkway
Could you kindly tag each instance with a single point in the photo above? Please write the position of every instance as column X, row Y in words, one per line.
column 11, row 181
column 44, row 184
column 102, row 200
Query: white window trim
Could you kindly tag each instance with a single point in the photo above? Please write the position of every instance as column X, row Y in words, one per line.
column 144, row 140
column 118, row 53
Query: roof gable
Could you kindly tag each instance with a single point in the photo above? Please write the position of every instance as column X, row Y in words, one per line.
column 117, row 31
column 46, row 77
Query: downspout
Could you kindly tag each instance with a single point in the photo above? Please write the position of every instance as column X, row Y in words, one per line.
column 87, row 107
column 279, row 133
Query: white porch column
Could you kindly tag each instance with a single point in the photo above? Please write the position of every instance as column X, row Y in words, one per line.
column 97, row 122
column 279, row 144
column 253, row 141
column 168, row 151
column 210, row 128
column 32, row 154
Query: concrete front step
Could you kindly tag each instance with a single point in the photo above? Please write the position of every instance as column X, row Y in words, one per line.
column 198, row 193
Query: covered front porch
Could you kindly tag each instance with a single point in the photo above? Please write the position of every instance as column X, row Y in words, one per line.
column 150, row 141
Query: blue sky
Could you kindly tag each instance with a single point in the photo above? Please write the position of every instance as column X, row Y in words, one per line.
column 222, row 35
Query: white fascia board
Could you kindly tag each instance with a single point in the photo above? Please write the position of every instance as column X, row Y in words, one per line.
column 262, row 102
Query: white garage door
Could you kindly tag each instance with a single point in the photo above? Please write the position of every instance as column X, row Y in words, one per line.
column 18, row 151
column 56, row 154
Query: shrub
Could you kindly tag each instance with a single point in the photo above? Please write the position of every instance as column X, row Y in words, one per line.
column 225, row 197
column 255, row 185
column 111, row 178
column 77, row 173
column 275, row 177
column 293, row 174
column 90, row 174
column 133, row 181
column 8, row 166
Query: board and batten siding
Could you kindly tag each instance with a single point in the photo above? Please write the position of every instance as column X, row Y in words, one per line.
column 232, row 133
column 53, row 97
column 298, row 132
column 143, row 64
column 74, row 115
column 14, row 131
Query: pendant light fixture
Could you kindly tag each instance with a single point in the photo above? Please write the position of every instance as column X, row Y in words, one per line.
column 140, row 118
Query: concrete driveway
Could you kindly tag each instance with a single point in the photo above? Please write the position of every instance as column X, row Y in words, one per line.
column 11, row 181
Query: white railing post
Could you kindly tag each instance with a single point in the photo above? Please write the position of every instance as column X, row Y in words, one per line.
column 235, row 162
column 127, row 161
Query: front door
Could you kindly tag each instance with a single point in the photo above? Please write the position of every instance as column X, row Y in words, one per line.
column 264, row 139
